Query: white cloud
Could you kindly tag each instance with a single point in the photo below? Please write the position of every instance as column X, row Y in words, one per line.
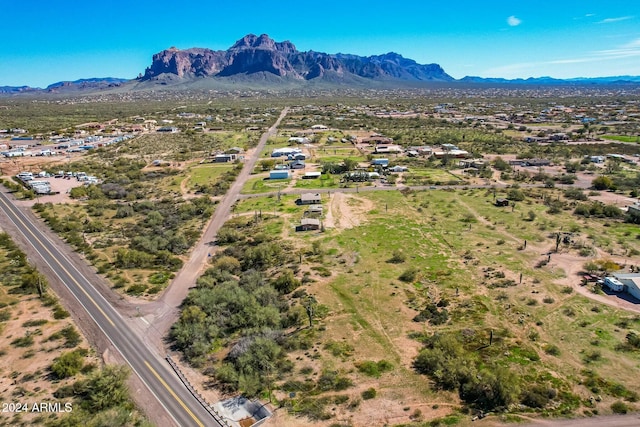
column 513, row 21
column 612, row 20
column 627, row 50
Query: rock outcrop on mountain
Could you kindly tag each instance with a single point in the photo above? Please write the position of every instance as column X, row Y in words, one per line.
column 260, row 54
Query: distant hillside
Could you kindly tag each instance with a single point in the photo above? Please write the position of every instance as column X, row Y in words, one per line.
column 17, row 89
column 92, row 83
column 255, row 55
column 552, row 81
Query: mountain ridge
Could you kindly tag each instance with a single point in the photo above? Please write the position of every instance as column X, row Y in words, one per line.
column 254, row 60
column 253, row 54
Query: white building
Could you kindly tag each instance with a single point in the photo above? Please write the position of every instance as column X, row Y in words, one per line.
column 631, row 282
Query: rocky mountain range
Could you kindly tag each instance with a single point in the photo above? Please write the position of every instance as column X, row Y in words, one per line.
column 260, row 54
column 259, row 62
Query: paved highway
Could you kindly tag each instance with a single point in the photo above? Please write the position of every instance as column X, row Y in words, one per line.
column 150, row 367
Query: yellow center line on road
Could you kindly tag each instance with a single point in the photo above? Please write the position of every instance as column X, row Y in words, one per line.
column 27, row 229
column 175, row 396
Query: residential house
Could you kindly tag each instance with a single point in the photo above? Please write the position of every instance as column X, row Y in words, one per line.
column 225, row 158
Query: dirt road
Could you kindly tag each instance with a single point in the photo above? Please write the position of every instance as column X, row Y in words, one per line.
column 161, row 314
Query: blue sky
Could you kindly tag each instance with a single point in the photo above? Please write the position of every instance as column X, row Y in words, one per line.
column 42, row 42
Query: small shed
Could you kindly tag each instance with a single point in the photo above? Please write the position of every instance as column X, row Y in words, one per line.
column 309, row 199
column 279, row 174
column 307, row 224
column 313, row 210
column 312, row 175
column 502, row 202
column 380, row 162
column 399, row 169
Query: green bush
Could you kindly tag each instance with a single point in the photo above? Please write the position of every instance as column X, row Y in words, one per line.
column 552, row 350
column 409, row 275
column 67, row 364
column 369, row 393
column 34, row 322
column 374, row 369
column 25, row 341
column 619, row 407
column 60, row 313
column 71, row 336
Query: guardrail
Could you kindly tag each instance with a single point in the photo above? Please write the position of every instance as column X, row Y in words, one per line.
column 197, row 395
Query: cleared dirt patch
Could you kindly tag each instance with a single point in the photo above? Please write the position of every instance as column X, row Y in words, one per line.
column 346, row 211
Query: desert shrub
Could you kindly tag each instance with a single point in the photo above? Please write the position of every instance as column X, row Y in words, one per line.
column 71, row 336
column 552, row 350
column 433, row 315
column 34, row 322
column 409, row 275
column 339, row 349
column 398, row 257
column 333, row 380
column 68, row 364
column 26, row 341
column 286, row 282
column 619, row 407
column 374, row 369
column 369, row 393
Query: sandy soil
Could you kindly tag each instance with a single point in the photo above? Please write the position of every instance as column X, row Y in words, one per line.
column 24, row 375
column 346, row 211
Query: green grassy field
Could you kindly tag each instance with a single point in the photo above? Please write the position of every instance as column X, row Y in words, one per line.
column 259, row 184
column 206, row 173
column 467, row 251
column 325, row 181
column 419, row 176
column 621, row 138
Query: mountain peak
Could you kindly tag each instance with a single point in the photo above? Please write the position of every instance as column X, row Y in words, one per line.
column 263, row 42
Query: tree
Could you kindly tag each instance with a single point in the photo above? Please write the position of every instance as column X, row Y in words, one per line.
column 33, row 282
column 501, row 165
column 591, row 267
column 106, row 389
column 602, row 183
column 310, row 305
column 350, row 164
column 515, row 194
